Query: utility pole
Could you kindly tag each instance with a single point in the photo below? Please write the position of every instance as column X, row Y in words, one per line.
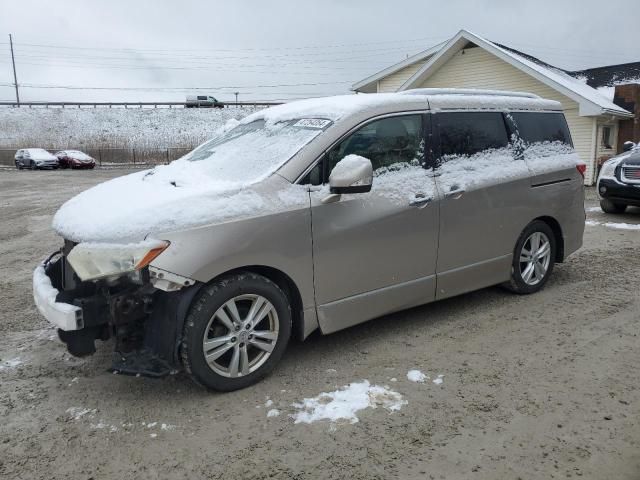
column 236, row 93
column 15, row 77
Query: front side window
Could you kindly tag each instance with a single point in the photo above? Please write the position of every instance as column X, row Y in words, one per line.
column 388, row 142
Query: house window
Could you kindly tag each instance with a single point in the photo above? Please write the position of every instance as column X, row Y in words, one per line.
column 606, row 137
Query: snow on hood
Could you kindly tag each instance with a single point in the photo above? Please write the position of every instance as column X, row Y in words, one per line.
column 167, row 198
column 212, row 184
column 78, row 155
column 40, row 154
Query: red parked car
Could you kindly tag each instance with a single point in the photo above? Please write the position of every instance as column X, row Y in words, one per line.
column 75, row 159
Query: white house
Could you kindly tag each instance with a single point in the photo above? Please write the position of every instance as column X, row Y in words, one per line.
column 470, row 61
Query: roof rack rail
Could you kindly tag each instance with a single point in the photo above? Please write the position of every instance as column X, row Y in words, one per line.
column 467, row 91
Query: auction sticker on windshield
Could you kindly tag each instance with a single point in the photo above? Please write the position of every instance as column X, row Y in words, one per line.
column 312, row 123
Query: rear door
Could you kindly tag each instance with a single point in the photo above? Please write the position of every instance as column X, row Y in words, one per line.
column 483, row 188
column 376, row 252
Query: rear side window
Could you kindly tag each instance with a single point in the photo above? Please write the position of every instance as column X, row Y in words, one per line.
column 537, row 127
column 468, row 133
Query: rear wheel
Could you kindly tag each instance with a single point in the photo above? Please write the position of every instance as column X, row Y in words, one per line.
column 236, row 332
column 608, row 206
column 533, row 258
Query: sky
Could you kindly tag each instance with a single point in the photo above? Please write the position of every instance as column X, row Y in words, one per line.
column 162, row 50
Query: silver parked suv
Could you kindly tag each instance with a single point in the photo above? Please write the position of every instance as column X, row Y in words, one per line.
column 315, row 215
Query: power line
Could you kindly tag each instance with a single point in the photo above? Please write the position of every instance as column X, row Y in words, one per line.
column 288, row 48
column 77, row 87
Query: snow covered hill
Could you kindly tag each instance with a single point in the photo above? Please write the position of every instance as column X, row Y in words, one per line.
column 111, row 127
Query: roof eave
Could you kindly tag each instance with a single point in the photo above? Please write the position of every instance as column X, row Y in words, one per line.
column 372, row 80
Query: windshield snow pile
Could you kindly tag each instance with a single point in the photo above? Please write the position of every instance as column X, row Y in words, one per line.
column 250, row 151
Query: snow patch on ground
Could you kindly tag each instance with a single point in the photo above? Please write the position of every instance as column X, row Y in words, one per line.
column 78, row 412
column 439, row 380
column 344, row 403
column 274, row 412
column 416, row 376
column 10, row 363
column 83, row 414
column 614, row 225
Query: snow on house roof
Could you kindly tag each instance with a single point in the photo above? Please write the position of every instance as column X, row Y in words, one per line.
column 591, row 102
column 610, row 75
column 570, row 84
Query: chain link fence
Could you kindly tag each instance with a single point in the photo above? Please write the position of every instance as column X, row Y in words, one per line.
column 114, row 157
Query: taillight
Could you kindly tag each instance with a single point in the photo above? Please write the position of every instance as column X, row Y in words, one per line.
column 582, row 168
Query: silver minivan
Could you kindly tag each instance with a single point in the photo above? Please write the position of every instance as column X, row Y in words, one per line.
column 315, row 215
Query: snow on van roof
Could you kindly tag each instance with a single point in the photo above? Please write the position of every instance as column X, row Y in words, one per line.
column 339, row 106
column 332, row 108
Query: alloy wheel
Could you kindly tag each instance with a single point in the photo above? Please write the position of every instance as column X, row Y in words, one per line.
column 535, row 258
column 241, row 335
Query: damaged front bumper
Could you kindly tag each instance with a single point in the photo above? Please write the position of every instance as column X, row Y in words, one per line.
column 143, row 311
column 63, row 315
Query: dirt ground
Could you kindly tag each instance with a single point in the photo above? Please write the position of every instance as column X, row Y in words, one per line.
column 541, row 386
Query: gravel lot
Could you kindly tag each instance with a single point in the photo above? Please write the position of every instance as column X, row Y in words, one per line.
column 542, row 386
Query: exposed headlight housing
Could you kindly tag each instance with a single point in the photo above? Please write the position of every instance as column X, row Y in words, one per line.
column 92, row 261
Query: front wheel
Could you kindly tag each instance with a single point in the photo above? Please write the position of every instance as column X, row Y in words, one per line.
column 236, row 332
column 533, row 258
column 608, row 206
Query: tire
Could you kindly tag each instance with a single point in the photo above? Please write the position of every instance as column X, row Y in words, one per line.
column 526, row 276
column 32, row 165
column 210, row 319
column 608, row 206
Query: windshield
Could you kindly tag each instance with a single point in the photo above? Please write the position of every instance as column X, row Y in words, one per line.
column 252, row 151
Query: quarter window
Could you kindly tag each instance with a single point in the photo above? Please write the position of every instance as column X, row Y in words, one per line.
column 534, row 127
column 468, row 133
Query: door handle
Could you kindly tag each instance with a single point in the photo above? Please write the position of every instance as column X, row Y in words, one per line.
column 455, row 194
column 420, row 200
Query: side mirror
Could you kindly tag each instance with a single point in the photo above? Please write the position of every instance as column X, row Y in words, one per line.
column 627, row 146
column 352, row 174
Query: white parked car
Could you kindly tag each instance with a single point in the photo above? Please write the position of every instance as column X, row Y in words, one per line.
column 35, row 158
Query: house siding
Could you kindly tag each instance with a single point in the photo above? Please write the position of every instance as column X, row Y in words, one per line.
column 394, row 81
column 477, row 68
